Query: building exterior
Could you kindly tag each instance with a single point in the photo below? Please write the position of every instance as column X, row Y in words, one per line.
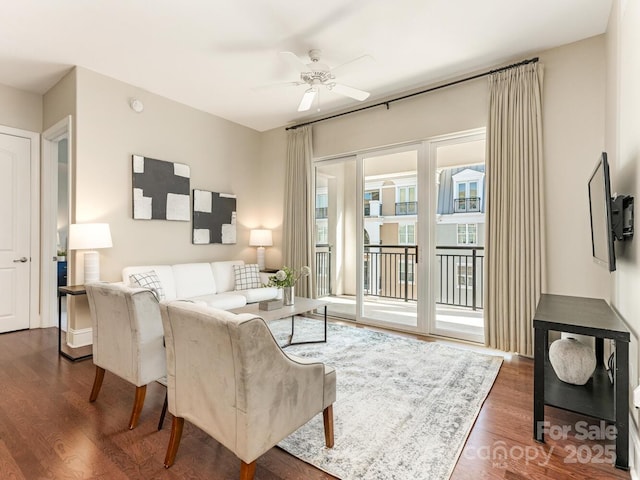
column 390, row 224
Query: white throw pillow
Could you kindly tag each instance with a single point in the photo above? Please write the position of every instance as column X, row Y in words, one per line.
column 148, row 280
column 247, row 276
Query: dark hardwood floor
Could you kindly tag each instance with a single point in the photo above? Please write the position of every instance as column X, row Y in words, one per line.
column 49, row 430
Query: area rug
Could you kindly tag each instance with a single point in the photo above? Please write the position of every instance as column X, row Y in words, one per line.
column 404, row 407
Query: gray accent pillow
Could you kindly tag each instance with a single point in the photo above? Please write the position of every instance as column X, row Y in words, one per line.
column 148, row 280
column 246, row 277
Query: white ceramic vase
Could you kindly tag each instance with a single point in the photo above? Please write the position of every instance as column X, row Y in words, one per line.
column 573, row 361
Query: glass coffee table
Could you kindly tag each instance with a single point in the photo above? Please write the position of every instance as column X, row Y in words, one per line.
column 301, row 305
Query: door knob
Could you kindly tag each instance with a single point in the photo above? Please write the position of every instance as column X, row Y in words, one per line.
column 21, row 260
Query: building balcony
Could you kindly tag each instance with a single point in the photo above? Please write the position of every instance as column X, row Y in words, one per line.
column 407, row 208
column 322, row 212
column 390, row 272
column 463, row 205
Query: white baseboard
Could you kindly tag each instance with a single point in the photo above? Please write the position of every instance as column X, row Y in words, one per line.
column 634, row 449
column 80, row 338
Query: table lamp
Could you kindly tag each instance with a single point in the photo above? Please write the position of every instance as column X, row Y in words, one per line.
column 260, row 238
column 90, row 236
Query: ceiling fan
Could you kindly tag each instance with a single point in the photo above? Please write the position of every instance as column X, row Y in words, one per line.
column 317, row 75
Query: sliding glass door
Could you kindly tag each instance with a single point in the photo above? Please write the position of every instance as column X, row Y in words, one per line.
column 400, row 236
column 367, row 233
column 389, row 250
column 458, row 258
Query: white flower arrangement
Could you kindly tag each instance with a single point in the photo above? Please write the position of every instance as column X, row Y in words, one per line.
column 288, row 277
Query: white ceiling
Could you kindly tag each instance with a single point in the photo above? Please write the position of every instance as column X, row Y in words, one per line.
column 215, row 55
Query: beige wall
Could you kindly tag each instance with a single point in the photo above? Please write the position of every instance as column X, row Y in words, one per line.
column 60, row 101
column 623, row 147
column 222, row 156
column 573, row 109
column 573, row 129
column 20, row 109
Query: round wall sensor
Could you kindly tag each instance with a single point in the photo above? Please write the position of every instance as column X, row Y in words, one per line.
column 136, row 105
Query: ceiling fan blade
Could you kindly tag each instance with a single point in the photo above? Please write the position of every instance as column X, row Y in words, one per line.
column 352, row 65
column 295, row 61
column 350, row 91
column 307, row 100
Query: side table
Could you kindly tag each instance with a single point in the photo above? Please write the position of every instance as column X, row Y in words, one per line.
column 598, row 398
column 64, row 291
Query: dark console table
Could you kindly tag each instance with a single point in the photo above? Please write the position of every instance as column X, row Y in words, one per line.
column 598, row 398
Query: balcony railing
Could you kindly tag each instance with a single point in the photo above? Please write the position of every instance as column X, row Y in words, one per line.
column 321, row 212
column 470, row 204
column 460, row 274
column 323, row 270
column 390, row 272
column 407, row 208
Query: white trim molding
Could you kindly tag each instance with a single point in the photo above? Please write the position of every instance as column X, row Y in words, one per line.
column 634, row 447
column 79, row 338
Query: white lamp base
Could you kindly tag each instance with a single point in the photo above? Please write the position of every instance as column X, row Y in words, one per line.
column 261, row 258
column 91, row 267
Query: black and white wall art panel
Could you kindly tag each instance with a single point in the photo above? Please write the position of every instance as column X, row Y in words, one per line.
column 160, row 189
column 214, row 217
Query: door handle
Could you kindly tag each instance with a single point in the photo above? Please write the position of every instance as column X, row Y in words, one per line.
column 21, row 260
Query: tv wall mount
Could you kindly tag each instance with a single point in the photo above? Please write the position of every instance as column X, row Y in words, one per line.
column 622, row 217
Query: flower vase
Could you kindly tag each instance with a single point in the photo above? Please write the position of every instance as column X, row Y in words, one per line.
column 288, row 295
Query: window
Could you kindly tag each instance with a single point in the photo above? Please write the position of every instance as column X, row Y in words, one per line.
column 406, row 203
column 322, row 200
column 407, row 194
column 322, row 237
column 371, row 196
column 401, row 271
column 467, row 234
column 407, row 234
column 467, row 191
column 322, row 204
column 464, row 275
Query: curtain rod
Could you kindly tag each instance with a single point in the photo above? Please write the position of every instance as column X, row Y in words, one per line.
column 404, row 97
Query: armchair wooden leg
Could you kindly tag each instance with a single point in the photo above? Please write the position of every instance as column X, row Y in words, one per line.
column 247, row 470
column 174, row 441
column 327, row 415
column 137, row 406
column 97, row 384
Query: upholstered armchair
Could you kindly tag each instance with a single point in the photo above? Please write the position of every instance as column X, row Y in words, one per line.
column 228, row 376
column 127, row 338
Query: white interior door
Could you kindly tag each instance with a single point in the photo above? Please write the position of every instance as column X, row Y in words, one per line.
column 15, row 242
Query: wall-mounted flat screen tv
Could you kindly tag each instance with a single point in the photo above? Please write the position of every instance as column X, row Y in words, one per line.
column 600, row 207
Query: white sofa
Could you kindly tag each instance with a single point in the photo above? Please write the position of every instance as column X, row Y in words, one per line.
column 211, row 284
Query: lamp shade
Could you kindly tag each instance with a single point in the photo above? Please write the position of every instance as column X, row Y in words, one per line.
column 89, row 236
column 260, row 238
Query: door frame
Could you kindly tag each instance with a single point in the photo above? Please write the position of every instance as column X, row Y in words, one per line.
column 34, row 218
column 423, row 169
column 50, row 139
column 432, row 145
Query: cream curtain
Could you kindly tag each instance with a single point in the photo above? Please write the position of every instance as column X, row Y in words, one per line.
column 298, row 225
column 515, row 235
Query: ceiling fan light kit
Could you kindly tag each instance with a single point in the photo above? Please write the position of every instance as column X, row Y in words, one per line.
column 317, row 74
